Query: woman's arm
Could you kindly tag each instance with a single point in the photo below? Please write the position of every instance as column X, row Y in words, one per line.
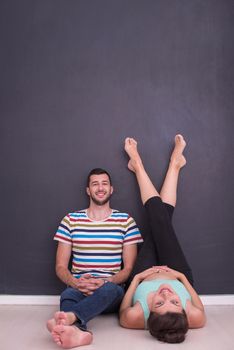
column 133, row 316
column 196, row 301
column 194, row 310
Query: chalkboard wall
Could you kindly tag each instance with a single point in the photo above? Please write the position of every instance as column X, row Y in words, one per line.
column 77, row 77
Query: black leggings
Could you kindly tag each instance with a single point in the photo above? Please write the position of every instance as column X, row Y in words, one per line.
column 161, row 246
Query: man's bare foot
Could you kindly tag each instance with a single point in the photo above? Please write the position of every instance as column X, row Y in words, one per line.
column 61, row 318
column 69, row 337
column 50, row 324
column 65, row 318
column 177, row 157
column 130, row 147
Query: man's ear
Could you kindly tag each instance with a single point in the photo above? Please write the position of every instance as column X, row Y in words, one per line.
column 112, row 189
column 87, row 191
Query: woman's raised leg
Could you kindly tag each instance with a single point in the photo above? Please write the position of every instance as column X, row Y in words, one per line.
column 147, row 189
column 168, row 191
column 162, row 234
column 147, row 256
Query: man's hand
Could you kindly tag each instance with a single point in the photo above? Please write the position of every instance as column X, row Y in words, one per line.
column 85, row 284
column 88, row 284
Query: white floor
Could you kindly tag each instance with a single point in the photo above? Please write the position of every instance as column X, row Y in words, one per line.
column 23, row 328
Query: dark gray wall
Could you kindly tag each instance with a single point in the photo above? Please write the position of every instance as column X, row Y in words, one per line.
column 77, row 78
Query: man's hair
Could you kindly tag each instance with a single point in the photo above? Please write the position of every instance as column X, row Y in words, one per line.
column 98, row 171
column 170, row 327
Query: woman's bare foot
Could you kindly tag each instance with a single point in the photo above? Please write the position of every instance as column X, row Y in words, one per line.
column 69, row 337
column 131, row 149
column 177, row 158
column 61, row 318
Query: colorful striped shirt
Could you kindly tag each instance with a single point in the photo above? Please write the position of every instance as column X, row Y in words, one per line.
column 97, row 245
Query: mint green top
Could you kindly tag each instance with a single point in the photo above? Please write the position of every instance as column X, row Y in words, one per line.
column 147, row 287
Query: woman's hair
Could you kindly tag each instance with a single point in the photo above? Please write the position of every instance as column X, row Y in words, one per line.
column 170, row 327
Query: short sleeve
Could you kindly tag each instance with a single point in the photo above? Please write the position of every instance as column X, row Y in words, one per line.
column 63, row 233
column 132, row 234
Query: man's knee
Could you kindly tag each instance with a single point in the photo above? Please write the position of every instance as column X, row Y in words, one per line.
column 69, row 293
column 112, row 297
column 112, row 290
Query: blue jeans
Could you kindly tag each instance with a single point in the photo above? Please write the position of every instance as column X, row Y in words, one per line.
column 105, row 299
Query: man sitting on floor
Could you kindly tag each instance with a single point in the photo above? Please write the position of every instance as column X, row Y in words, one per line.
column 100, row 240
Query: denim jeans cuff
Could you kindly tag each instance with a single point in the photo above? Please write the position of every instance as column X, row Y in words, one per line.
column 81, row 326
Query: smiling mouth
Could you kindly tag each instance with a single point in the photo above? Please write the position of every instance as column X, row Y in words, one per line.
column 165, row 289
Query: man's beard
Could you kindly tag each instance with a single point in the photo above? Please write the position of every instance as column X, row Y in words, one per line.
column 100, row 202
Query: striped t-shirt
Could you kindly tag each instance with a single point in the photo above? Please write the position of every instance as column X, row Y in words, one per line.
column 97, row 245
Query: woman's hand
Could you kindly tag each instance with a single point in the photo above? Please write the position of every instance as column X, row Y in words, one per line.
column 144, row 274
column 178, row 275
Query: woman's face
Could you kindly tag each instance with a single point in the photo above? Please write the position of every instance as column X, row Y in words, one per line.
column 166, row 300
